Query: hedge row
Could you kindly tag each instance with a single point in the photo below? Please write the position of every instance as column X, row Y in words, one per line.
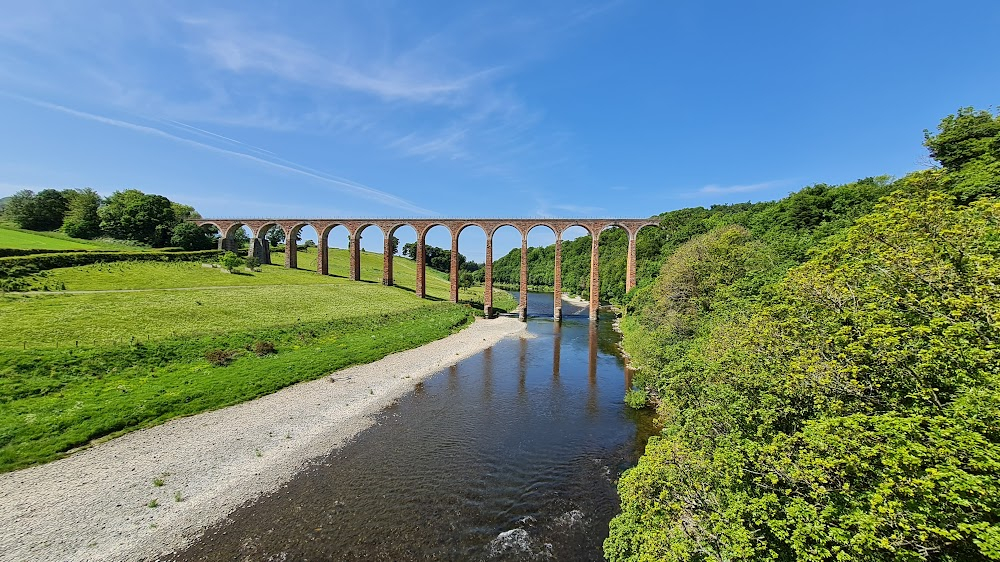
column 8, row 252
column 27, row 265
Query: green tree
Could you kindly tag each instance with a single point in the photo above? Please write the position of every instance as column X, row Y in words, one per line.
column 82, row 219
column 41, row 211
column 134, row 215
column 967, row 144
column 190, row 236
column 275, row 235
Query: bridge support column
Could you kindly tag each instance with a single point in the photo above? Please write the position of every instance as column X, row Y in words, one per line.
column 291, row 249
column 354, row 249
column 260, row 249
column 595, row 282
column 323, row 254
column 488, row 278
column 421, row 288
column 630, row 267
column 453, row 270
column 227, row 244
column 523, row 314
column 387, row 261
column 557, row 281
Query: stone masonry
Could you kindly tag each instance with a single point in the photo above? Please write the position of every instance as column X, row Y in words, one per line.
column 260, row 249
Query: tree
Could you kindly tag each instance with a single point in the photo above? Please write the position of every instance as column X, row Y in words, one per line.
column 241, row 238
column 82, row 220
column 41, row 211
column 190, row 236
column 275, row 235
column 134, row 215
column 968, row 146
column 393, row 245
column 184, row 212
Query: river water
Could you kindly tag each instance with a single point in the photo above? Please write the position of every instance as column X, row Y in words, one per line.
column 511, row 454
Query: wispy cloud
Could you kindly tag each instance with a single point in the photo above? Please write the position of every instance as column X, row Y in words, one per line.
column 743, row 188
column 235, row 47
column 342, row 184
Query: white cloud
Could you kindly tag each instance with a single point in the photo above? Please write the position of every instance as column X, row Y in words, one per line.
column 342, row 184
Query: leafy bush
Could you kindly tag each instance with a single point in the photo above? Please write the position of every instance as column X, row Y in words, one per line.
column 636, row 398
column 220, row 357
column 231, row 262
column 252, row 263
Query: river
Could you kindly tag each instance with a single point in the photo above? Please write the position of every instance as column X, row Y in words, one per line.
column 511, row 454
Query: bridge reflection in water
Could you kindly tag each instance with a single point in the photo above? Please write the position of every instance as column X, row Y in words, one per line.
column 260, row 248
column 512, row 454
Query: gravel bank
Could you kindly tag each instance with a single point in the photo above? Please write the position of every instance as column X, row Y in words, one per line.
column 95, row 504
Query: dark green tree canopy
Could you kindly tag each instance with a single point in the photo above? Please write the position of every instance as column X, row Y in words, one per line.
column 41, row 211
column 134, row 215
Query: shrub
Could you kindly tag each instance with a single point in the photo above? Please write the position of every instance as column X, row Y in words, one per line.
column 636, row 398
column 231, row 261
column 252, row 263
column 220, row 357
column 262, row 348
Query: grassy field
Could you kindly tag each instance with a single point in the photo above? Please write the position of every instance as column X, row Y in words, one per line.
column 80, row 367
column 54, row 400
column 154, row 275
column 29, row 240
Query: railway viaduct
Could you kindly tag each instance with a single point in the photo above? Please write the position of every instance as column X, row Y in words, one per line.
column 259, row 247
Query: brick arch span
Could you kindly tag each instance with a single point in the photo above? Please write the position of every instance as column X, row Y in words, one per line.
column 455, row 227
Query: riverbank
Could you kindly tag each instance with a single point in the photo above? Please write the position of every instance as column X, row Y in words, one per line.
column 151, row 491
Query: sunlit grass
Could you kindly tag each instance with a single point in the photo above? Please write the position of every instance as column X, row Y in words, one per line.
column 53, row 400
column 27, row 240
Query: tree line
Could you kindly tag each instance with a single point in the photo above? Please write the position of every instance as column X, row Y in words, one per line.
column 129, row 215
column 826, row 371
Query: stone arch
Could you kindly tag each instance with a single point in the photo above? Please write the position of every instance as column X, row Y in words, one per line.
column 355, row 248
column 555, row 279
column 388, row 266
column 500, row 224
column 632, row 263
column 291, row 231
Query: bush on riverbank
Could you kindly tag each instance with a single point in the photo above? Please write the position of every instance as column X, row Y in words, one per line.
column 827, row 393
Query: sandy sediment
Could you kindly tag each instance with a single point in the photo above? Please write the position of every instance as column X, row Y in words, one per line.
column 95, row 504
column 575, row 300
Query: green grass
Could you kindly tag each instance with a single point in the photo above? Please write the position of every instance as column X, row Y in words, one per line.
column 80, row 367
column 42, row 320
column 31, row 240
column 154, row 275
column 53, row 400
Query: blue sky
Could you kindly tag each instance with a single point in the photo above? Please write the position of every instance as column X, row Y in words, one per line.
column 620, row 108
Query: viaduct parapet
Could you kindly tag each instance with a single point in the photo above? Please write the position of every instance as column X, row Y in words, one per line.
column 355, row 226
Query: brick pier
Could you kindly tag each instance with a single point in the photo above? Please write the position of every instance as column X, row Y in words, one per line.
column 260, row 249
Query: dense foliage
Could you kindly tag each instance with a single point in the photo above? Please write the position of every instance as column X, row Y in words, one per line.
column 129, row 215
column 827, row 373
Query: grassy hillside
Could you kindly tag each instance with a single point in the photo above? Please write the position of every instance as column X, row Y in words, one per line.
column 26, row 240
column 137, row 348
column 11, row 237
column 154, row 275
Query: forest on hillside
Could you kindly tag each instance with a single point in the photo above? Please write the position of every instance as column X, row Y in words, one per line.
column 825, row 368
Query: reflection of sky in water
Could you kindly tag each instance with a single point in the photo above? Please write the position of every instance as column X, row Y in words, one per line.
column 510, row 454
column 540, row 305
